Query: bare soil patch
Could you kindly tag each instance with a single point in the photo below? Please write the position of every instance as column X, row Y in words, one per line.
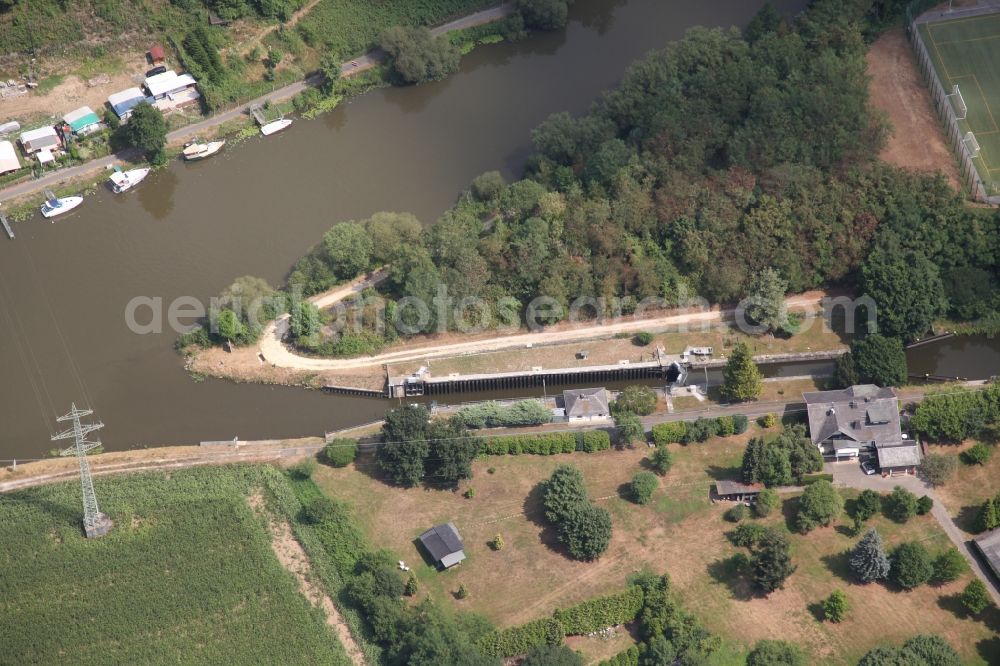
column 72, row 93
column 897, row 89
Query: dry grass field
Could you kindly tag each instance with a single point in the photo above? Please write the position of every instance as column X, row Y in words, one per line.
column 971, row 485
column 680, row 532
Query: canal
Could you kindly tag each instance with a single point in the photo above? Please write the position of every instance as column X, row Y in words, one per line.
column 190, row 229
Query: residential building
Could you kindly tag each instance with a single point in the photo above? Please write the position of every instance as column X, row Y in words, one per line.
column 737, row 491
column 586, row 404
column 8, row 157
column 444, row 544
column 858, row 421
column 988, row 544
column 170, row 90
column 82, row 121
column 43, row 138
column 123, row 102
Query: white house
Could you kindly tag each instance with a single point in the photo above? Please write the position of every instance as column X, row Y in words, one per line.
column 8, row 157
column 586, row 404
column 82, row 121
column 168, row 83
column 124, row 101
column 39, row 139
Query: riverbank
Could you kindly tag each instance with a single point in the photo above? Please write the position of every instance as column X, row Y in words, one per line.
column 223, row 123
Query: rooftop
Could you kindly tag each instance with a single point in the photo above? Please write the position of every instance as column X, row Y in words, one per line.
column 899, row 456
column 168, row 82
column 442, row 541
column 989, row 546
column 727, row 487
column 863, row 413
column 586, row 402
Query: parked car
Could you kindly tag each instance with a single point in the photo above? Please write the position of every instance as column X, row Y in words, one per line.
column 868, row 467
column 159, row 69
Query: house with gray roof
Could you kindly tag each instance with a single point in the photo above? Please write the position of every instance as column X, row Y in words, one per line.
column 586, row 404
column 444, row 544
column 862, row 419
column 988, row 545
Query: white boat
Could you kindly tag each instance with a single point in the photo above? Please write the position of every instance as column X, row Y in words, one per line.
column 199, row 151
column 275, row 126
column 126, row 180
column 59, row 205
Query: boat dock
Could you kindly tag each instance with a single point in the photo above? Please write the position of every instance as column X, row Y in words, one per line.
column 257, row 111
column 6, row 226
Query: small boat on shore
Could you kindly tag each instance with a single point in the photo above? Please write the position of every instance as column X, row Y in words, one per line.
column 275, row 126
column 58, row 205
column 122, row 181
column 199, row 151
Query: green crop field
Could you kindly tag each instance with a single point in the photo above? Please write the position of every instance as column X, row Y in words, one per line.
column 186, row 576
column 966, row 52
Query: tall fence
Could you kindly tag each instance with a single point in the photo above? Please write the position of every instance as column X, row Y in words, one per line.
column 967, row 167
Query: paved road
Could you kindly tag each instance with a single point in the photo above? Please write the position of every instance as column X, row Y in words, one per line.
column 849, row 474
column 349, row 68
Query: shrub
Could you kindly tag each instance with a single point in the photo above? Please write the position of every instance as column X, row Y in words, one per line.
column 747, row 535
column 493, row 415
column 937, row 468
column 630, row 429
column 867, row 505
column 900, row 505
column 519, row 640
column 643, row 486
column 319, row 510
column 629, row 657
column 768, row 420
column 643, row 338
column 415, row 56
column 411, row 586
column 775, row 653
column 497, row 543
column 562, row 492
column 636, row 399
column 596, row 614
column 661, row 460
column 820, row 504
column 740, row 424
column 736, row 513
column 767, row 502
column 975, row 597
column 340, row 452
column 585, row 531
column 835, row 606
column 592, row 441
column 672, row 432
column 924, row 505
column 552, row 655
column 303, row 470
column 978, row 454
column 724, row 426
column 700, row 430
column 911, row 565
column 949, row 566
column 463, row 592
column 541, row 444
column 469, row 493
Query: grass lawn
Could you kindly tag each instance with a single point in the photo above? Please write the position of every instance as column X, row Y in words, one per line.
column 680, row 532
column 188, row 575
column 964, row 53
column 971, row 485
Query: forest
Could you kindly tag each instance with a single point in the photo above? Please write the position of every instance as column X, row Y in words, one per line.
column 721, row 155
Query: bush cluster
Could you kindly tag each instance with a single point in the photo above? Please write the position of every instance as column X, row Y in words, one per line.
column 685, row 432
column 545, row 444
column 340, row 452
column 595, row 614
column 494, row 415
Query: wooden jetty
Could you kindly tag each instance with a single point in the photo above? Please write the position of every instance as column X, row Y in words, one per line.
column 257, row 111
column 6, row 226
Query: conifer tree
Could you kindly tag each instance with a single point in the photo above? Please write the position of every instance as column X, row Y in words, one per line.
column 868, row 559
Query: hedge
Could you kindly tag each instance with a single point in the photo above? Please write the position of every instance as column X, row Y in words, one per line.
column 669, row 433
column 740, row 424
column 493, row 415
column 629, row 657
column 594, row 440
column 810, row 479
column 596, row 614
column 544, row 444
column 518, row 640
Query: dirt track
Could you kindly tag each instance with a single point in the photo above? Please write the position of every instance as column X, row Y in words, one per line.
column 897, row 90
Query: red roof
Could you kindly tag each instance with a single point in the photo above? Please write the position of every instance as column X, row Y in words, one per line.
column 156, row 53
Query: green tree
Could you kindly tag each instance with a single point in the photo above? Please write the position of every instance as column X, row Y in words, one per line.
column 146, row 130
column 868, row 559
column 989, row 515
column 977, row 454
column 415, row 56
column 835, row 606
column 306, row 319
column 900, row 505
column 845, row 372
column 630, row 428
column 636, row 399
column 487, row 186
column 771, row 562
column 907, row 291
column 585, row 531
column 769, row 652
column 552, row 655
column 766, row 462
column 544, row 14
column 819, row 505
column 765, row 504
column 643, row 486
column 912, row 565
column 975, row 597
column 348, row 249
column 937, row 468
column 931, row 650
column 659, row 652
column 404, row 446
column 390, row 232
column 451, row 452
column 562, row 491
column 879, row 360
column 412, row 586
column 765, row 300
column 868, row 504
column 741, row 377
column 924, row 505
column 340, row 452
column 661, row 460
column 949, row 566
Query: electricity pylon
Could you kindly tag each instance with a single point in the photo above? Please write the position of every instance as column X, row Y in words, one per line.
column 95, row 523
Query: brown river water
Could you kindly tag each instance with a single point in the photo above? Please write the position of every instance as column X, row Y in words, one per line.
column 190, row 229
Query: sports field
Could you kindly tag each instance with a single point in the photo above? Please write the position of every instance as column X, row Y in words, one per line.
column 966, row 52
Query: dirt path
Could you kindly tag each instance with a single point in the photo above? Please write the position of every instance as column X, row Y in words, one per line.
column 897, row 90
column 291, row 555
column 296, row 17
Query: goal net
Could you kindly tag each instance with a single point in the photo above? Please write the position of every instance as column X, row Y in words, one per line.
column 961, row 110
column 971, row 144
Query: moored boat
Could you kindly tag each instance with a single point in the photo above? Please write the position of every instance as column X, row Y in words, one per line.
column 275, row 126
column 198, row 151
column 122, row 181
column 58, row 205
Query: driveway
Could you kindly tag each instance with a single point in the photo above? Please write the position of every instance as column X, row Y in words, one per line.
column 849, row 474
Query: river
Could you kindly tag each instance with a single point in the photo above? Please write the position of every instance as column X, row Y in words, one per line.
column 190, row 229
